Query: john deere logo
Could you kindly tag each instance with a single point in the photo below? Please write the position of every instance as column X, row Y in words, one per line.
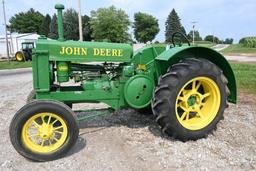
column 78, row 51
column 73, row 51
column 63, row 68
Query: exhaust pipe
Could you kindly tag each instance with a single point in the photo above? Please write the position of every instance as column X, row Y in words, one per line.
column 59, row 8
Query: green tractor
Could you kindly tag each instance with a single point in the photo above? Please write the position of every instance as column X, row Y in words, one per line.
column 26, row 52
column 187, row 88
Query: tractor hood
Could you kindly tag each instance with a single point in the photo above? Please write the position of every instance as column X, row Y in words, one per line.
column 86, row 51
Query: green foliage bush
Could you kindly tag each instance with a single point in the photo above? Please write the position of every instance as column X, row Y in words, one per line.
column 248, row 42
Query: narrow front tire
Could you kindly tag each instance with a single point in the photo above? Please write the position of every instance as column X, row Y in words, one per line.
column 44, row 130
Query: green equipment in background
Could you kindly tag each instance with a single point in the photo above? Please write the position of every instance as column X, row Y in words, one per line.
column 187, row 88
column 26, row 52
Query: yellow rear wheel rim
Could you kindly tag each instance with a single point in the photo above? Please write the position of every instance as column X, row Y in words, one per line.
column 198, row 103
column 44, row 133
column 19, row 57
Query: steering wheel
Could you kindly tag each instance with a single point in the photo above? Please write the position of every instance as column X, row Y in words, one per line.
column 183, row 35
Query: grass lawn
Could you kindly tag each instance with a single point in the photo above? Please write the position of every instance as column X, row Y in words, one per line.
column 14, row 65
column 238, row 48
column 245, row 76
column 207, row 45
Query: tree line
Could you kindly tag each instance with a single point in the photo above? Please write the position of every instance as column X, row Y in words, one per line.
column 104, row 24
column 249, row 42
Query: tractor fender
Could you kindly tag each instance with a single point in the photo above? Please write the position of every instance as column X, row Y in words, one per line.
column 176, row 54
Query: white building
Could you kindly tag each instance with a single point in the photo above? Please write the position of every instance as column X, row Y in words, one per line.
column 15, row 41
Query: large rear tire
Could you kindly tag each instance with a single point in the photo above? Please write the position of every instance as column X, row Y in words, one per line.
column 190, row 99
column 44, row 130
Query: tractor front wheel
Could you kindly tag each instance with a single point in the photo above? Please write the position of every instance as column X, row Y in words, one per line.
column 190, row 99
column 19, row 56
column 44, row 130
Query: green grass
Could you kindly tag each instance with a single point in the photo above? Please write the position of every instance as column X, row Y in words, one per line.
column 157, row 44
column 238, row 48
column 203, row 42
column 14, row 65
column 245, row 76
column 207, row 45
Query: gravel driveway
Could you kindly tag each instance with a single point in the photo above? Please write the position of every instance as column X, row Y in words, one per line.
column 130, row 141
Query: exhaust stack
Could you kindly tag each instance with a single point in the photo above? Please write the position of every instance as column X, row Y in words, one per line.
column 59, row 8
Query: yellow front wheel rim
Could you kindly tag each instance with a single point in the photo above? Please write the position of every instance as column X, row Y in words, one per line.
column 198, row 103
column 44, row 133
column 19, row 57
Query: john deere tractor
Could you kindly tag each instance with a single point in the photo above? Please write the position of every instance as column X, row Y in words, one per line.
column 26, row 52
column 187, row 88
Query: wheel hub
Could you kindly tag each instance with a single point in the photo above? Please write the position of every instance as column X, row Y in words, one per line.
column 46, row 131
column 197, row 103
column 192, row 100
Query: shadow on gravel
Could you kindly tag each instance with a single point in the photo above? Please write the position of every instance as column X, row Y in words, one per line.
column 80, row 144
column 129, row 118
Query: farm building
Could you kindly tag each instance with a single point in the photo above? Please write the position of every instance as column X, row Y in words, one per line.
column 15, row 41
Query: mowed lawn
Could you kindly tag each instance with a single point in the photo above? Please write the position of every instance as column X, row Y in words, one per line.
column 14, row 65
column 245, row 76
column 238, row 48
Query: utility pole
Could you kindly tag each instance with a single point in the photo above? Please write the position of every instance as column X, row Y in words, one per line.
column 194, row 22
column 80, row 21
column 213, row 36
column 6, row 36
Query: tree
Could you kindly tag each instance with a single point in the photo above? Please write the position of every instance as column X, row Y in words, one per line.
column 87, row 31
column 28, row 22
column 145, row 27
column 197, row 36
column 212, row 38
column 173, row 25
column 71, row 26
column 111, row 24
column 53, row 28
column 229, row 41
column 183, row 30
column 71, row 30
column 45, row 26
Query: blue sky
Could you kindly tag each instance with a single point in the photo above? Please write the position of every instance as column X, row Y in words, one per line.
column 224, row 18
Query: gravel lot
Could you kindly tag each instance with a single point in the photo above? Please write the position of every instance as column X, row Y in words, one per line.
column 130, row 141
